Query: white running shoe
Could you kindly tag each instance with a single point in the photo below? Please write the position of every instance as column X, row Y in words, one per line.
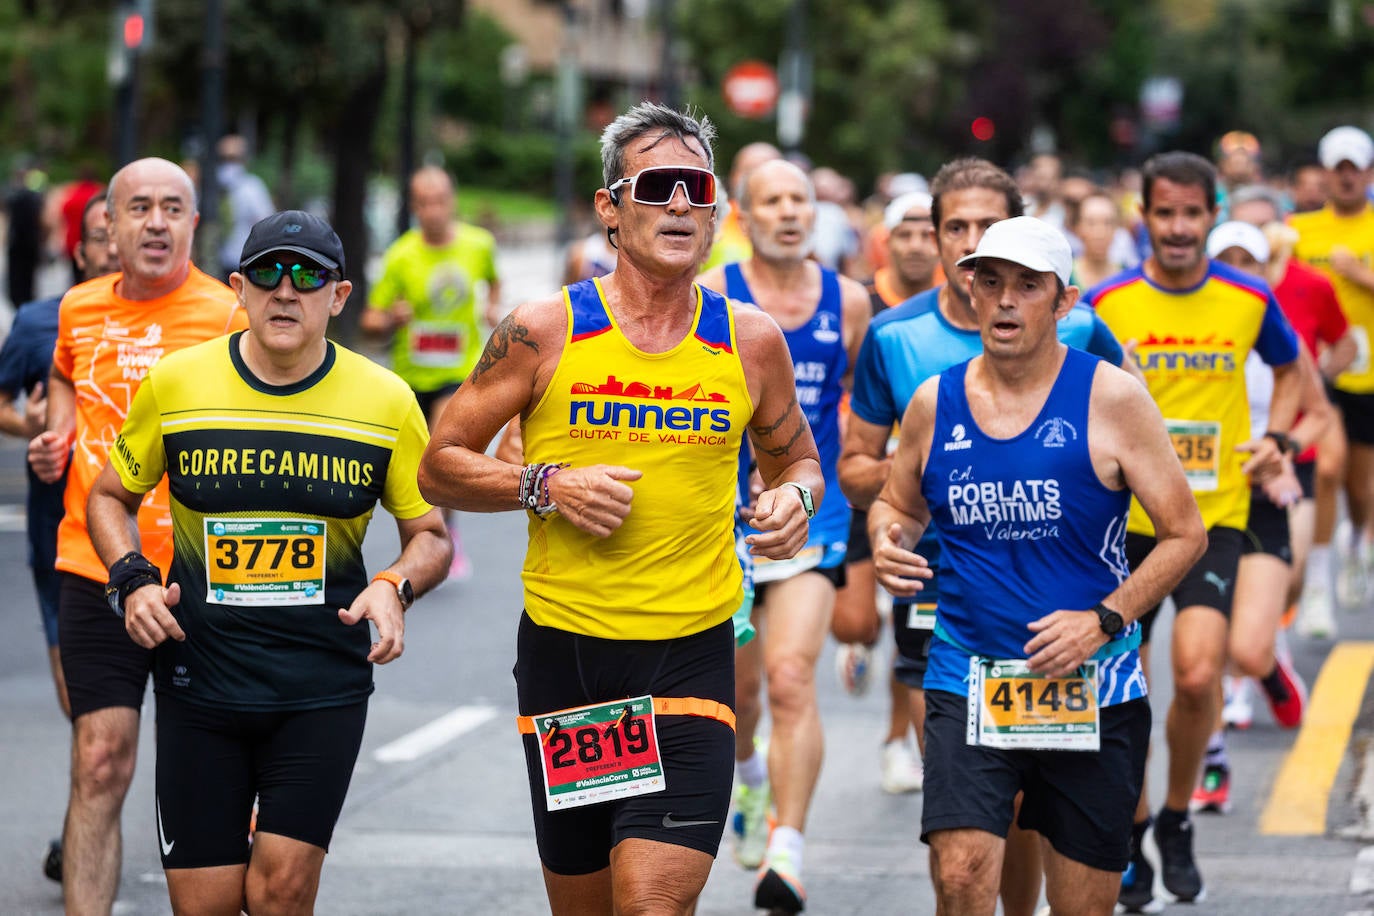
column 1316, row 611
column 854, row 668
column 1238, row 712
column 902, row 769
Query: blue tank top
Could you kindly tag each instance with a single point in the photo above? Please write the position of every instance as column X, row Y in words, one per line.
column 819, row 361
column 1026, row 528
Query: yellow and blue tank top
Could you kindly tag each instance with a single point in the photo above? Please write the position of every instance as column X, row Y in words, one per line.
column 1026, row 528
column 819, row 364
column 1191, row 344
column 679, row 416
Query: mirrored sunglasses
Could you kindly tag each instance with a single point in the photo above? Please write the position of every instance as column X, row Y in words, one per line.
column 306, row 278
column 656, row 185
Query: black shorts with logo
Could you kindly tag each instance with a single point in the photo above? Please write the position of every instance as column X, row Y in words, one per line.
column 556, row 669
column 859, row 548
column 1210, row 583
column 212, row 763
column 1082, row 802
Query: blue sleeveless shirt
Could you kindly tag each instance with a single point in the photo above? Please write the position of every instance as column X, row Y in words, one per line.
column 1026, row 528
column 819, row 361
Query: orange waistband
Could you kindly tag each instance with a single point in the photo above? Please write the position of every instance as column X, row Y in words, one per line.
column 663, row 706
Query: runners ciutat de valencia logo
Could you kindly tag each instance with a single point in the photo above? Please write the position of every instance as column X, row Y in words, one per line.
column 636, row 412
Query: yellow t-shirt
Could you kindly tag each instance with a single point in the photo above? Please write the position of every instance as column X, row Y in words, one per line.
column 1318, row 233
column 670, row 569
column 272, row 488
column 1191, row 345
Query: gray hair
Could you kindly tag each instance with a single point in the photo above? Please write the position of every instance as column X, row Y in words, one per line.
column 651, row 118
column 1253, row 192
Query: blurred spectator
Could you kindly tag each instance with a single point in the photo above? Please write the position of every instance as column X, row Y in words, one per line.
column 72, row 206
column 1307, row 189
column 24, row 238
column 1094, row 221
column 245, row 201
column 1238, row 164
column 1040, row 185
column 835, row 241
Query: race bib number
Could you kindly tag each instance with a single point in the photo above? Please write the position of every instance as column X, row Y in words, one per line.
column 593, row 754
column 766, row 570
column 264, row 561
column 921, row 616
column 437, row 345
column 1198, row 446
column 1011, row 706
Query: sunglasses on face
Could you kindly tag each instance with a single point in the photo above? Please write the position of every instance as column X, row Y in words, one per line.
column 305, row 278
column 655, row 186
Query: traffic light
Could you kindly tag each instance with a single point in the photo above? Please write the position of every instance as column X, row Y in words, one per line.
column 132, row 31
column 983, row 129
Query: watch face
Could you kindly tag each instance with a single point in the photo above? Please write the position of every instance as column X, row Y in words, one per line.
column 407, row 592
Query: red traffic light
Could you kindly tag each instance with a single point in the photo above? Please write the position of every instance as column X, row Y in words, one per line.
column 133, row 31
column 983, row 129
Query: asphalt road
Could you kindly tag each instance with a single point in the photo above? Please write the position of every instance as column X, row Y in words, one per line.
column 437, row 820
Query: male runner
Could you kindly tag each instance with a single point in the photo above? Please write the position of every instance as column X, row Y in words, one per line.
column 110, row 332
column 634, row 392
column 1338, row 240
column 25, row 363
column 278, row 445
column 427, row 299
column 1025, row 458
column 1194, row 322
column 823, row 316
column 907, row 345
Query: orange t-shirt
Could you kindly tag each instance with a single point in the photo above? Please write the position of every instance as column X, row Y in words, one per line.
column 105, row 345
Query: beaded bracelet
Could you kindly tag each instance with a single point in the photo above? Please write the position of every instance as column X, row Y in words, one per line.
column 547, row 506
column 529, row 485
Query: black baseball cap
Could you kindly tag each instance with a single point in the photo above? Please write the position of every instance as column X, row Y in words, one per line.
column 296, row 231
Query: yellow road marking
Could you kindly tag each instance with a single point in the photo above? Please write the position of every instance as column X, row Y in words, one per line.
column 1297, row 805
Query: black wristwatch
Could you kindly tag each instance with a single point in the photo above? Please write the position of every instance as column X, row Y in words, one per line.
column 1286, row 443
column 1109, row 620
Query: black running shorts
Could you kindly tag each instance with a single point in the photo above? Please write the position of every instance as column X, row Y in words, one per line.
column 555, row 670
column 212, row 763
column 1357, row 413
column 859, row 549
column 1267, row 530
column 1210, row 583
column 1082, row 802
column 102, row 664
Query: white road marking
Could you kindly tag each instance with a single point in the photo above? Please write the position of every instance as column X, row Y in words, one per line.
column 1362, row 874
column 429, row 738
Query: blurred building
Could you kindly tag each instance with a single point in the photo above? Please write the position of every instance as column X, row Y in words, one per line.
column 618, row 47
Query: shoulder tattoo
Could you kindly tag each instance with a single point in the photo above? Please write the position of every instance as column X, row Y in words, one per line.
column 508, row 332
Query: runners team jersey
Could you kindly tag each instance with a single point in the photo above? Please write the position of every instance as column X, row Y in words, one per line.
column 1318, row 233
column 1027, row 528
column 105, row 345
column 441, row 344
column 915, row 341
column 1191, row 345
column 819, row 362
column 272, row 488
column 679, row 416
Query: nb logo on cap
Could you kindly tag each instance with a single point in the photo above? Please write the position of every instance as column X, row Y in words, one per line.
column 292, row 227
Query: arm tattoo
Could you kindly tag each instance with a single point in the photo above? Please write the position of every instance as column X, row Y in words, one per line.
column 768, row 430
column 498, row 347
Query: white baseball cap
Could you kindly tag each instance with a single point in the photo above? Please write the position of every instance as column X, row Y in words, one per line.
column 1027, row 241
column 1235, row 234
column 896, row 211
column 1346, row 144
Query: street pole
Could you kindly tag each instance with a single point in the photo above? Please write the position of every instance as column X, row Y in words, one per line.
column 669, row 86
column 407, row 127
column 212, row 67
column 566, row 116
column 794, row 71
